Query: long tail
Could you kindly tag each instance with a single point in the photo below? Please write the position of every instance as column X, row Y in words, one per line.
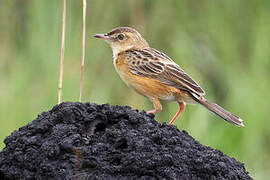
column 226, row 115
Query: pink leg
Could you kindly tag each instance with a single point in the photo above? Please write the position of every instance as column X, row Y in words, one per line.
column 157, row 106
column 182, row 107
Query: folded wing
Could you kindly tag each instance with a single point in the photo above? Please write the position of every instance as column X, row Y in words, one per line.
column 154, row 64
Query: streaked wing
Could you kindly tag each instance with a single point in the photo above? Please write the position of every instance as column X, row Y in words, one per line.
column 154, row 64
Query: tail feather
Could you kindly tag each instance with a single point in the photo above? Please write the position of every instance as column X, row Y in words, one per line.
column 226, row 115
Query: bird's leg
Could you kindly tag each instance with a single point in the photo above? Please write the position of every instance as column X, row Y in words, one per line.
column 181, row 108
column 157, row 106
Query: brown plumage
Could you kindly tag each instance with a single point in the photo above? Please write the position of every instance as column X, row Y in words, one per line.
column 156, row 76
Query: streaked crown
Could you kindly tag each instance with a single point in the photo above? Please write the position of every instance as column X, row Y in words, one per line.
column 123, row 38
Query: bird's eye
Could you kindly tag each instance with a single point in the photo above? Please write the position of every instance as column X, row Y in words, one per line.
column 120, row 36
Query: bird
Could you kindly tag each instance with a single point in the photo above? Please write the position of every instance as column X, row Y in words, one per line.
column 155, row 75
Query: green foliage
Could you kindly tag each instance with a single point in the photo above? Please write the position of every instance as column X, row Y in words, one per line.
column 224, row 45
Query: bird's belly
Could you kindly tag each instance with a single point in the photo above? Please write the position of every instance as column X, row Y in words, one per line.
column 148, row 87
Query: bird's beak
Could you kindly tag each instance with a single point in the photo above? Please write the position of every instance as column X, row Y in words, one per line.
column 101, row 36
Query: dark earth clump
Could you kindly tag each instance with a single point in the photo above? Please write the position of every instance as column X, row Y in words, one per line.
column 89, row 141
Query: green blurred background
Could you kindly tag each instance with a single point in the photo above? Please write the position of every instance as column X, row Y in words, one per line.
column 224, row 45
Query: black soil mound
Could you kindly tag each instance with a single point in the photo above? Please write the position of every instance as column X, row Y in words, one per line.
column 89, row 141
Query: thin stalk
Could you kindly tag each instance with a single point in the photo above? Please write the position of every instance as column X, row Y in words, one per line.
column 60, row 85
column 83, row 49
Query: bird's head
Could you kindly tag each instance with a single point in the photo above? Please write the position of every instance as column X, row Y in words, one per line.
column 122, row 39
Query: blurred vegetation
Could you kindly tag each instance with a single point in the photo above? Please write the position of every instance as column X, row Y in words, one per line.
column 224, row 45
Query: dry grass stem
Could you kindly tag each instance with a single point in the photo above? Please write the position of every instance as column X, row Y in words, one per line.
column 83, row 49
column 60, row 85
